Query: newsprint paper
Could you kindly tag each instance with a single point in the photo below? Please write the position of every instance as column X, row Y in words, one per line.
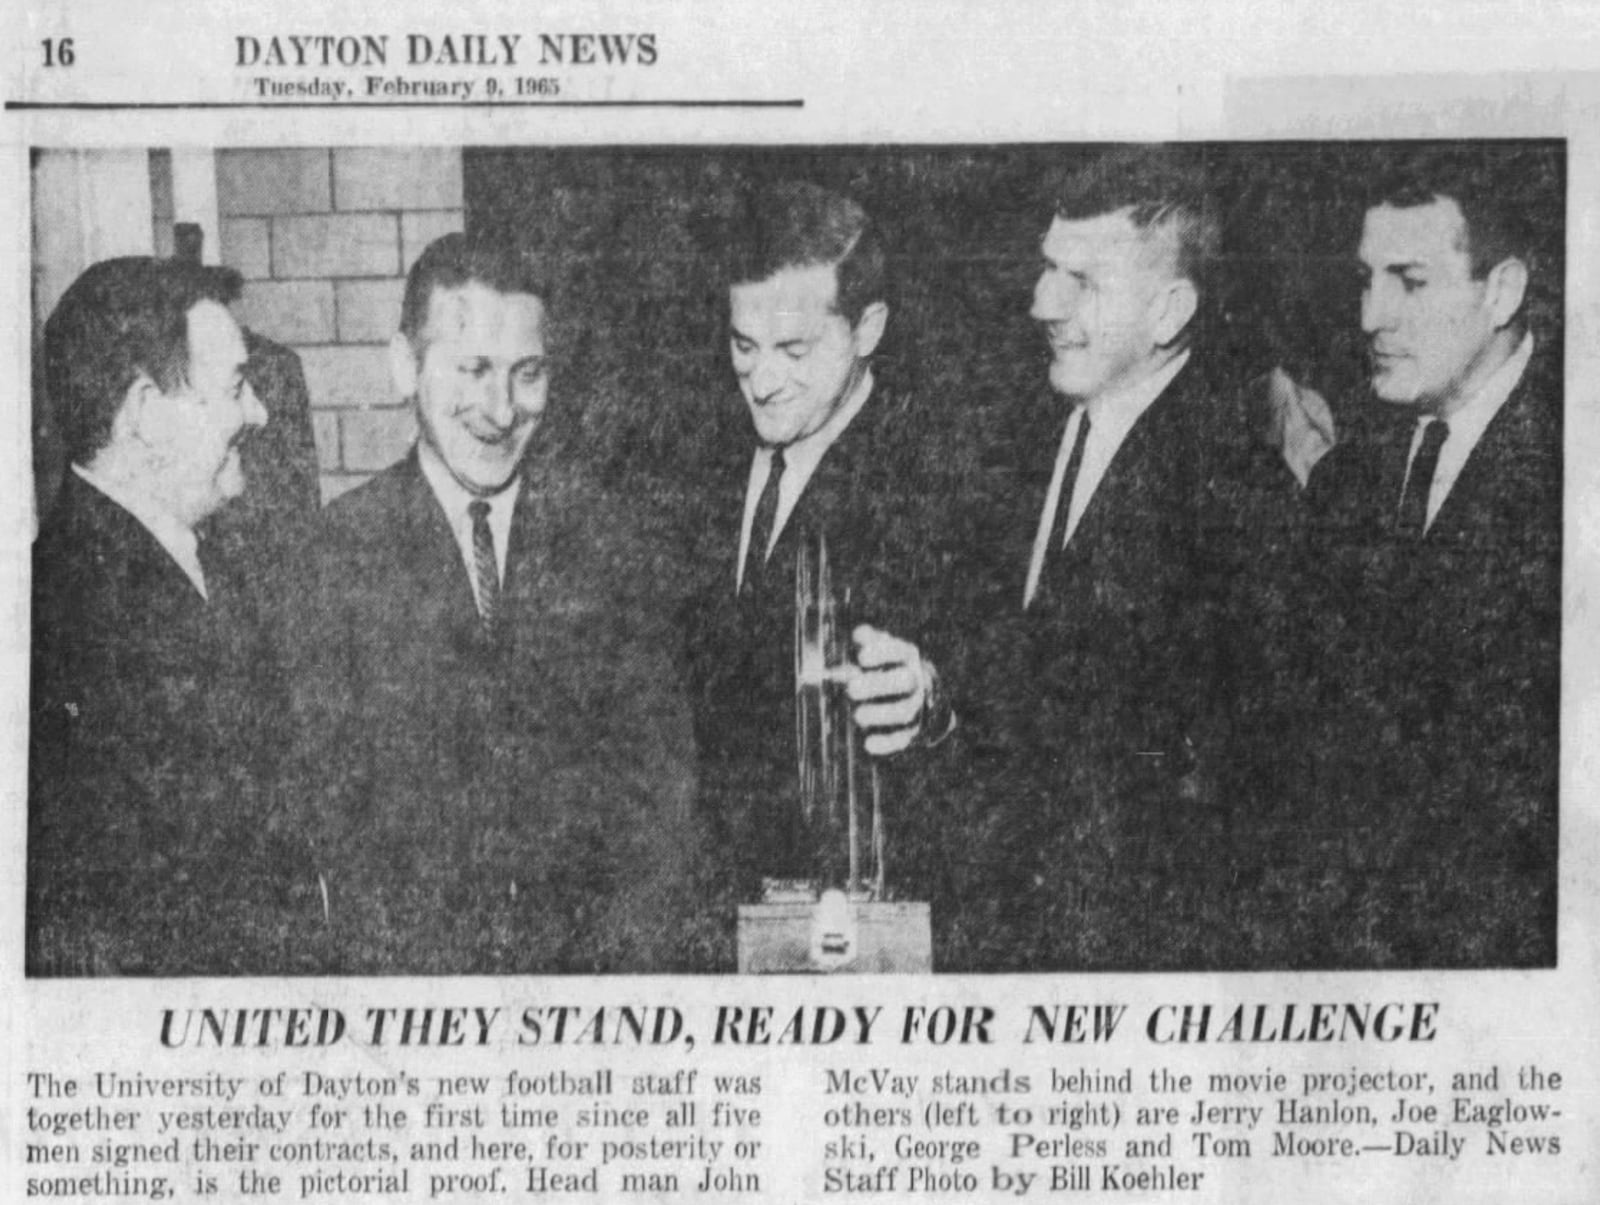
column 393, row 807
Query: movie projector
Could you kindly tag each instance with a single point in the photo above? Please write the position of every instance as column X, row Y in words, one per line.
column 839, row 919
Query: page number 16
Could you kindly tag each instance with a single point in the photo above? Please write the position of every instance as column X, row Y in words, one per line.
column 58, row 52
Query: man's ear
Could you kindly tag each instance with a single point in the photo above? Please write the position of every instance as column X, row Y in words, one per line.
column 1177, row 303
column 869, row 329
column 403, row 365
column 1507, row 285
column 137, row 418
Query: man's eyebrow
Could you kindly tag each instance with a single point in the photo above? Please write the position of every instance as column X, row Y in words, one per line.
column 1060, row 264
column 1078, row 271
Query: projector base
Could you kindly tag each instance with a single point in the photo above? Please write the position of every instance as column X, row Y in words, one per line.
column 834, row 934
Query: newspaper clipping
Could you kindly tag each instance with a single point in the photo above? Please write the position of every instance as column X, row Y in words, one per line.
column 607, row 603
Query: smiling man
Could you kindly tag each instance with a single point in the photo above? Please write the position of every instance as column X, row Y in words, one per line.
column 1093, row 691
column 1439, row 555
column 493, row 751
column 831, row 455
column 151, row 684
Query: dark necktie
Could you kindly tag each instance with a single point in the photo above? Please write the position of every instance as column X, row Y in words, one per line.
column 485, row 567
column 1069, row 483
column 761, row 527
column 1412, row 518
column 209, row 556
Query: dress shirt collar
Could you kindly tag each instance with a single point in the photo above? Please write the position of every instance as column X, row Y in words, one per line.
column 801, row 458
column 1115, row 411
column 1111, row 416
column 800, row 461
column 455, row 498
column 175, row 536
column 1473, row 416
column 1467, row 424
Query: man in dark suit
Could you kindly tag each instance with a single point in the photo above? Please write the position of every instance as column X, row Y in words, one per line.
column 1095, row 682
column 494, row 747
column 835, row 458
column 1439, row 553
column 152, row 687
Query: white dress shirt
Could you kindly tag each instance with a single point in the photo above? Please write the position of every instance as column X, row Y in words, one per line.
column 800, row 461
column 177, row 537
column 455, row 498
column 1111, row 416
column 1467, row 425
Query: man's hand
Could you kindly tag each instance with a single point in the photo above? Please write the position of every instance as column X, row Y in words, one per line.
column 891, row 690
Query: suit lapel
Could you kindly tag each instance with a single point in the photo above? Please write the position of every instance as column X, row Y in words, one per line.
column 444, row 598
column 836, row 484
column 1499, row 470
column 548, row 561
column 143, row 581
column 1141, row 473
column 542, row 514
column 829, row 493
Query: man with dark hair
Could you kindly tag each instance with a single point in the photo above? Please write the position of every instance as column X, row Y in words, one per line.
column 1094, row 704
column 150, row 678
column 834, row 459
column 1439, row 549
column 493, row 747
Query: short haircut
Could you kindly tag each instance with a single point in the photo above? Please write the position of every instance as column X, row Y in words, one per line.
column 795, row 224
column 120, row 319
column 1163, row 193
column 456, row 260
column 1483, row 186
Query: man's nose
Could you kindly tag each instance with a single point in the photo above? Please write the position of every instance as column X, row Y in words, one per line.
column 766, row 377
column 255, row 414
column 1049, row 302
column 1377, row 308
column 497, row 404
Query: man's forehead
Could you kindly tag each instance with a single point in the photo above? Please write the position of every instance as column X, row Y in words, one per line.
column 1420, row 234
column 790, row 299
column 213, row 332
column 1105, row 240
column 477, row 313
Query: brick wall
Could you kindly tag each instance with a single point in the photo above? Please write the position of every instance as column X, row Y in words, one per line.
column 324, row 239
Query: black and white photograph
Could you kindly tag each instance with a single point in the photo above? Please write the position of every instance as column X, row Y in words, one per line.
column 1055, row 557
column 872, row 601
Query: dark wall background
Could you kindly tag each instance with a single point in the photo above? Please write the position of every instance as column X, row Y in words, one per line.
column 629, row 237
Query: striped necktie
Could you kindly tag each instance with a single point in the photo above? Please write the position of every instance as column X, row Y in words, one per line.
column 485, row 565
column 761, row 526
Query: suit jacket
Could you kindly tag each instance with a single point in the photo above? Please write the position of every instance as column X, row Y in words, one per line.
column 1438, row 747
column 1097, row 722
column 871, row 496
column 151, row 723
column 515, row 800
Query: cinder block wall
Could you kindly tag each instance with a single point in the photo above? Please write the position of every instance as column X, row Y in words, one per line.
column 324, row 239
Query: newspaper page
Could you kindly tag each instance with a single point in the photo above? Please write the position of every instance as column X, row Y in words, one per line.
column 1119, row 779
